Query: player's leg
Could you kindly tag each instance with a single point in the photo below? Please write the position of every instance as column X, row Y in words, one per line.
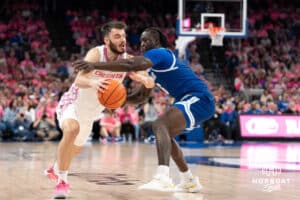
column 75, row 135
column 178, row 157
column 66, row 148
column 65, row 153
column 188, row 183
column 195, row 110
column 103, row 134
column 171, row 122
column 115, row 133
column 184, row 114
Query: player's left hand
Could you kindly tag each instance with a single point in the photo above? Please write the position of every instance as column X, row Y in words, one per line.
column 81, row 65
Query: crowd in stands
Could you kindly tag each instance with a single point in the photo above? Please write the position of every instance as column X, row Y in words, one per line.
column 34, row 73
column 266, row 67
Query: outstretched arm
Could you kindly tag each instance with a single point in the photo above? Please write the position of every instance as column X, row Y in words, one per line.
column 136, row 63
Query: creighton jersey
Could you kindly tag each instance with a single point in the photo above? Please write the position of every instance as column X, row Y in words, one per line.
column 191, row 94
column 174, row 76
column 85, row 100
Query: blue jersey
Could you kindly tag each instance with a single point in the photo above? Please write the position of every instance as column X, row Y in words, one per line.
column 174, row 76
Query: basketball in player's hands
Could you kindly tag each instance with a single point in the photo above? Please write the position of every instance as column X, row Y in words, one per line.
column 113, row 96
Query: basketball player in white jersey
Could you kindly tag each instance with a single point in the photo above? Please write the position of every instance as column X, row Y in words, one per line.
column 79, row 106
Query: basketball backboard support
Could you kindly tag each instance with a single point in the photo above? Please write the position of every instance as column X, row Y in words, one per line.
column 195, row 16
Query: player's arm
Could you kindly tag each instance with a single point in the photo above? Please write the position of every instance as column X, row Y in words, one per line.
column 139, row 95
column 83, row 80
column 142, row 77
column 137, row 63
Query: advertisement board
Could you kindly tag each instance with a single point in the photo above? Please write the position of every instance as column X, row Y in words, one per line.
column 270, row 126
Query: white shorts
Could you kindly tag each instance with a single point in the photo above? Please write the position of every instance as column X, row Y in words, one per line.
column 85, row 125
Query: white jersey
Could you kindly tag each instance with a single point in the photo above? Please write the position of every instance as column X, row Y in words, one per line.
column 85, row 100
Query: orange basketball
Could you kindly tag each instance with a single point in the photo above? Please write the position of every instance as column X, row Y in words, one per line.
column 114, row 96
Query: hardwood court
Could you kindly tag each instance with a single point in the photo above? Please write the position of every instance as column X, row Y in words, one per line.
column 114, row 171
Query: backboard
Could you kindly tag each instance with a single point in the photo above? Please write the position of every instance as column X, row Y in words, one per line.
column 195, row 17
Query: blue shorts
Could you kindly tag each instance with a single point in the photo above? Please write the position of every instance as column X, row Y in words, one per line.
column 196, row 109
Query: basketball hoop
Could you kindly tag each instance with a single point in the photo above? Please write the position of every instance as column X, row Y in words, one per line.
column 216, row 35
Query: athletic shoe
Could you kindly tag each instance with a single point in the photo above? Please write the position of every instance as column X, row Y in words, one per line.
column 190, row 185
column 159, row 183
column 104, row 140
column 118, row 139
column 50, row 173
column 61, row 190
column 150, row 140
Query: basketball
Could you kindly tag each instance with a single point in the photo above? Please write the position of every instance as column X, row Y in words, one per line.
column 114, row 96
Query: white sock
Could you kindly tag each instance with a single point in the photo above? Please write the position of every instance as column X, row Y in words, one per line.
column 163, row 169
column 63, row 175
column 186, row 175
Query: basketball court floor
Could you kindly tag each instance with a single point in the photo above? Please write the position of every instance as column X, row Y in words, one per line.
column 114, row 171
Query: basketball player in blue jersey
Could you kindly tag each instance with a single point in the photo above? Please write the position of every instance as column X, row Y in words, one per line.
column 193, row 104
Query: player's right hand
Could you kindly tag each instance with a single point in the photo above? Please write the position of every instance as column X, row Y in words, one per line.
column 99, row 85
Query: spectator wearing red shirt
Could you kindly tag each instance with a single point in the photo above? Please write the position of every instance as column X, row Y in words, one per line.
column 27, row 64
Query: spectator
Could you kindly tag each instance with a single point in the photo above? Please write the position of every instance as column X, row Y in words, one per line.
column 45, row 128
column 265, row 96
column 10, row 114
column 195, row 65
column 127, row 123
column 255, row 108
column 62, row 70
column 283, row 103
column 214, row 128
column 151, row 113
column 3, row 62
column 21, row 127
column 27, row 64
column 150, row 110
column 271, row 108
column 292, row 110
column 110, row 126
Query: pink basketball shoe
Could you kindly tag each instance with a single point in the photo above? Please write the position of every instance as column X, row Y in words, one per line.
column 50, row 173
column 61, row 190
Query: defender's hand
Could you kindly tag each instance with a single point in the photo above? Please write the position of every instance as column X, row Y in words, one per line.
column 145, row 79
column 81, row 65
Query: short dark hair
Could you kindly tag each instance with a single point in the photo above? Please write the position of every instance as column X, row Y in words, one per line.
column 162, row 38
column 106, row 28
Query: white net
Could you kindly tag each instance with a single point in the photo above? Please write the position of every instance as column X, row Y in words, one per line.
column 216, row 35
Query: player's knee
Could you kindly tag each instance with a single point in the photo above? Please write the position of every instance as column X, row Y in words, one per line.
column 77, row 149
column 71, row 130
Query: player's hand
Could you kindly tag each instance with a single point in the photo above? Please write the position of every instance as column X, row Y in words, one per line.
column 99, row 85
column 81, row 65
column 146, row 80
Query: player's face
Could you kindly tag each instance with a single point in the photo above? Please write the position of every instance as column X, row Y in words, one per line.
column 147, row 41
column 117, row 40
